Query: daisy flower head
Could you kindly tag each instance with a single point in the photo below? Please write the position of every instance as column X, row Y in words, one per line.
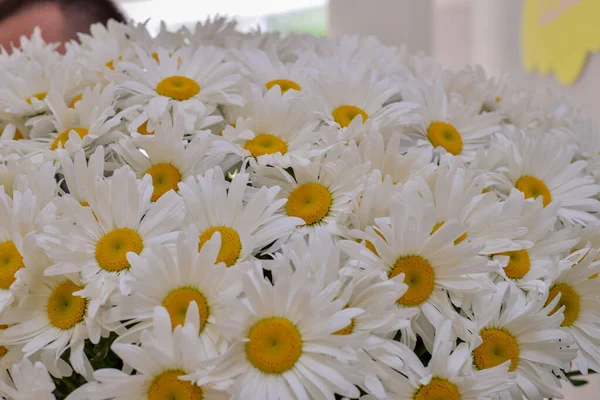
column 188, row 80
column 448, row 375
column 392, row 160
column 103, row 49
column 374, row 202
column 80, row 174
column 166, row 39
column 247, row 221
column 283, row 343
column 525, row 331
column 529, row 266
column 173, row 280
column 541, row 167
column 88, row 122
column 57, row 316
column 434, row 266
column 94, row 239
column 573, row 282
column 166, row 156
column 455, row 193
column 277, row 130
column 165, row 356
column 27, row 380
column 320, row 193
column 447, row 123
column 219, row 31
column 22, row 92
column 20, row 257
column 348, row 92
column 268, row 70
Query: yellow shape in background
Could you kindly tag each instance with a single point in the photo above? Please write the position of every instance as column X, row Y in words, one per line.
column 557, row 35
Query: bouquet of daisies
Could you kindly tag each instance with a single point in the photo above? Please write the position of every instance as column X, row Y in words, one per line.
column 206, row 214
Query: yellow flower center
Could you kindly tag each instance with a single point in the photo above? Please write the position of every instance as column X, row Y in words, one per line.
column 63, row 138
column 178, row 88
column 442, row 134
column 437, row 389
column 457, row 241
column 143, row 129
column 75, row 100
column 65, row 310
column 498, row 99
column 266, row 143
column 168, row 386
column 178, row 301
column 284, row 85
column 419, row 277
column 344, row 115
column 10, row 262
column 519, row 264
column 231, row 245
column 113, row 247
column 18, row 135
column 309, row 201
column 274, row 345
column 346, row 330
column 110, row 65
column 369, row 245
column 497, row 347
column 165, row 177
column 533, row 187
column 568, row 298
column 3, row 350
column 40, row 96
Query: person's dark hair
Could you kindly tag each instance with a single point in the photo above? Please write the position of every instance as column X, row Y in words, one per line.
column 85, row 12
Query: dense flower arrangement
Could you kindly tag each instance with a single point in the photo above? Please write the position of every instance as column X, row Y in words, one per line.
column 208, row 214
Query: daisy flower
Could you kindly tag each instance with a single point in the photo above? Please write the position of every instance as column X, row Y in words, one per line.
column 166, row 157
column 267, row 70
column 57, row 316
column 276, row 129
column 284, row 345
column 103, row 48
column 374, row 202
column 173, row 280
column 455, row 193
column 574, row 283
column 433, row 265
column 389, row 158
column 80, row 174
column 320, row 193
column 186, row 80
column 447, row 376
column 218, row 31
column 19, row 224
column 456, row 127
column 542, row 167
column 247, row 221
column 346, row 92
column 89, row 122
column 165, row 356
column 95, row 239
column 529, row 266
column 510, row 327
column 27, row 381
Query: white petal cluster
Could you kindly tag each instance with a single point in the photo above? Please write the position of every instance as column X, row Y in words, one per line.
column 206, row 214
